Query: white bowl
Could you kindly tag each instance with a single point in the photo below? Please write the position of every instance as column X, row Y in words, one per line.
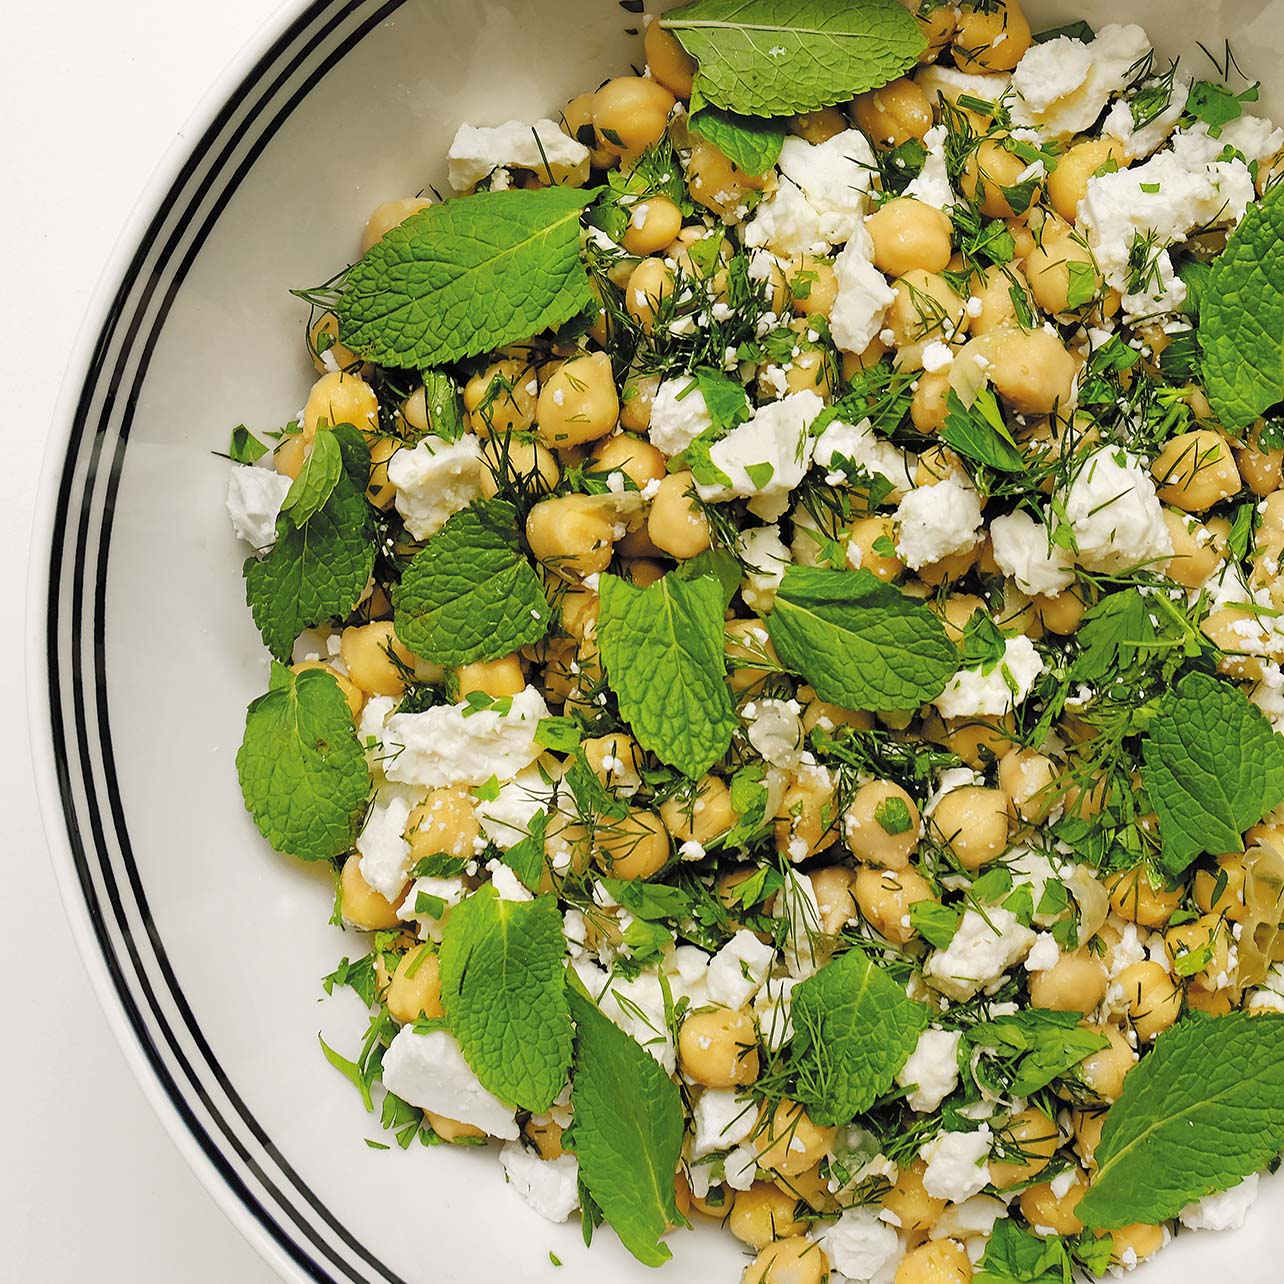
column 206, row 950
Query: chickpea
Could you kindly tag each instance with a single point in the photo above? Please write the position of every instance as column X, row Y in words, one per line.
column 751, row 658
column 1043, row 1207
column 635, row 403
column 676, row 524
column 973, row 823
column 789, row 1143
column 451, row 1130
column 1086, row 1126
column 351, row 692
column 495, row 678
column 1197, row 549
column 571, row 534
column 1262, row 470
column 909, row 235
column 885, row 897
column 1222, row 891
column 650, row 283
column 764, row 1213
column 363, row 907
column 978, row 742
column 1237, row 630
column 671, row 65
column 882, row 825
column 578, row 403
column 289, row 455
column 938, row 25
column 795, row 1260
column 375, row 659
column 1075, row 983
column 1104, row 1071
column 615, row 760
column 323, row 337
column 716, row 1203
column 913, row 1207
column 380, row 491
column 1137, row 900
column 545, row 1134
column 340, row 399
column 819, row 126
column 502, row 398
column 894, row 114
column 389, row 215
column 1031, row 1138
column 446, row 821
column 997, row 309
column 929, row 410
column 415, row 988
column 943, row 1261
column 1028, row 777
column 990, row 171
column 642, row 571
column 1136, row 1243
column 1062, row 614
column 809, row 371
column 1048, row 266
column 1153, row 999
column 718, row 1047
column 511, row 459
column 1032, row 371
column 926, row 307
column 805, row 819
column 834, row 886
column 701, row 817
column 577, row 121
column 635, row 847
column 637, row 459
column 1068, row 183
column 955, row 612
column 630, row 114
column 991, row 38
column 829, row 717
column 813, row 285
column 716, row 182
column 653, row 223
column 1196, row 470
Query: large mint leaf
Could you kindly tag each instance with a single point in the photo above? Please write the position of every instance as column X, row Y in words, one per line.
column 854, row 1029
column 471, row 593
column 1212, row 767
column 316, row 480
column 752, row 143
column 318, row 568
column 663, row 649
column 1241, row 318
column 778, row 57
column 627, row 1133
column 466, row 276
column 1198, row 1115
column 861, row 643
column 503, row 985
column 302, row 770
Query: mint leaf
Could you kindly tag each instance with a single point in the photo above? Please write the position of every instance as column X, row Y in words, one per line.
column 1215, row 105
column 719, row 564
column 526, row 856
column 936, row 924
column 318, row 568
column 1027, row 1050
column 444, row 407
column 778, row 57
column 1015, row 1256
column 302, row 770
column 503, row 985
column 861, row 643
column 724, row 399
column 245, row 447
column 471, row 594
column 854, row 1029
column 316, row 480
column 980, row 434
column 465, row 276
column 627, row 1132
column 1212, row 767
column 1241, row 317
column 1198, row 1115
column 751, row 143
column 663, row 651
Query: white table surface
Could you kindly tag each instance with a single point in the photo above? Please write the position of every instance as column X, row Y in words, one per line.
column 90, row 1186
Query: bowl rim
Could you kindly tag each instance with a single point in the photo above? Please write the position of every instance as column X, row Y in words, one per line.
column 237, row 1202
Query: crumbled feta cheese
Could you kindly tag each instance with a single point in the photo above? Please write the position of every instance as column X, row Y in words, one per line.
column 506, row 884
column 971, row 1221
column 957, row 1164
column 860, row 306
column 983, row 948
column 678, row 415
column 1121, row 124
column 932, row 1071
column 737, row 971
column 796, row 903
column 1116, row 517
column 940, row 82
column 1044, row 954
column 765, row 558
column 434, row 481
column 775, row 440
column 374, row 717
column 635, row 1005
column 775, row 730
column 549, row 1186
column 772, row 1008
column 973, row 693
column 1227, row 1211
column 448, row 891
column 740, row 1168
column 858, row 1245
column 506, row 818
column 459, row 745
column 429, row 1071
column 254, row 499
column 383, row 850
column 539, row 147
column 1051, row 71
column 937, row 522
column 932, row 186
column 1022, row 552
column 721, row 1120
column 862, row 446
column 937, row 356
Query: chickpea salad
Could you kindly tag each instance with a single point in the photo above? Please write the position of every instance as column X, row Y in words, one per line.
column 775, row 611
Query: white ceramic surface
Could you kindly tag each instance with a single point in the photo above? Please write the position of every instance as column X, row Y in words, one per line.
column 206, row 950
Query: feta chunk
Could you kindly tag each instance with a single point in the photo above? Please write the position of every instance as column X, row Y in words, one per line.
column 858, row 1245
column 448, row 891
column 506, row 819
column 937, row 522
column 983, row 948
column 1044, row 954
column 542, row 146
column 1116, row 517
column 932, row 1071
column 864, row 295
column 678, row 415
column 460, row 745
column 429, row 1071
column 738, row 970
column 775, row 730
column 434, row 481
column 382, row 847
column 549, row 1186
column 972, row 693
column 772, row 1007
column 1227, row 1211
column 635, row 1005
column 1023, row 553
column 932, row 185
column 740, row 1168
column 765, row 558
column 862, row 446
column 722, row 1121
column 254, row 499
column 1121, row 124
column 796, row 903
column 957, row 1164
